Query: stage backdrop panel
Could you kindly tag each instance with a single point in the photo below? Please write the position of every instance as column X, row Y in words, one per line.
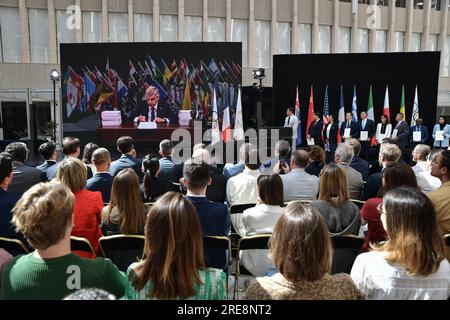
column 360, row 70
column 114, row 76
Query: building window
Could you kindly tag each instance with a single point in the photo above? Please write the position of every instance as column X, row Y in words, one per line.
column 363, row 40
column 143, row 27
column 304, row 31
column 39, row 40
column 415, row 42
column 399, row 41
column 283, row 38
column 345, row 35
column 118, row 27
column 447, row 57
column 324, row 39
column 168, row 28
column 92, row 26
column 216, row 29
column 261, row 44
column 380, row 41
column 432, row 42
column 239, row 33
column 10, row 34
column 436, row 5
column 193, row 28
column 65, row 31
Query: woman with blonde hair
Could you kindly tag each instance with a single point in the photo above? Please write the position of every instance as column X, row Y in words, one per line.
column 301, row 251
column 341, row 215
column 411, row 264
column 173, row 266
column 125, row 213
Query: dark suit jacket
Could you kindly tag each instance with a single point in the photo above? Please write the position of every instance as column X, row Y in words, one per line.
column 163, row 110
column 215, row 221
column 217, row 190
column 315, row 132
column 124, row 162
column 49, row 169
column 374, row 183
column 159, row 187
column 170, row 171
column 101, row 182
column 360, row 165
column 353, row 132
column 24, row 177
column 7, row 202
column 370, row 127
column 314, row 168
column 424, row 134
column 333, row 132
column 402, row 139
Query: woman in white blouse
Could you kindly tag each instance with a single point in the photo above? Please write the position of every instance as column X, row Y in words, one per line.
column 411, row 264
column 262, row 219
column 384, row 129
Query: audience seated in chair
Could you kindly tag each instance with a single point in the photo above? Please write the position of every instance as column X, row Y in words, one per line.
column 343, row 157
column 173, row 267
column 316, row 163
column 301, row 250
column 125, row 212
column 87, row 158
column 261, row 219
column 394, row 176
column 298, row 184
column 101, row 180
column 48, row 151
column 411, row 264
column 169, row 170
column 45, row 216
column 153, row 186
column 88, row 204
column 214, row 217
column 125, row 145
column 230, row 170
column 341, row 215
column 281, row 153
column 360, row 165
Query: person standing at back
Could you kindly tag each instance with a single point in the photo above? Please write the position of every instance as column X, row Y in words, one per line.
column 400, row 134
column 441, row 141
column 365, row 129
column 350, row 125
column 315, row 130
column 292, row 121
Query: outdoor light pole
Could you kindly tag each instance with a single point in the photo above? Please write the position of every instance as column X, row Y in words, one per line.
column 54, row 76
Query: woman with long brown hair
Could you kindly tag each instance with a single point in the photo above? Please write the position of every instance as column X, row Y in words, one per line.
column 125, row 212
column 411, row 264
column 340, row 214
column 173, row 266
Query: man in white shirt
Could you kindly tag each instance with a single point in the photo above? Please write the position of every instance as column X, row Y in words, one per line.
column 297, row 183
column 425, row 180
column 292, row 121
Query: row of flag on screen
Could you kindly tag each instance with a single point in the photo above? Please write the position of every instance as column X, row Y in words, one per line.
column 354, row 110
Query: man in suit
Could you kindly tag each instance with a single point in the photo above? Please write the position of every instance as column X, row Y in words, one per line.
column 71, row 147
column 365, row 125
column 350, row 124
column 48, row 151
column 214, row 217
column 24, row 176
column 151, row 109
column 125, row 145
column 401, row 136
column 7, row 199
column 297, row 183
column 168, row 170
column 360, row 165
column 330, row 134
column 292, row 121
column 101, row 180
column 423, row 134
column 315, row 130
column 389, row 154
column 343, row 157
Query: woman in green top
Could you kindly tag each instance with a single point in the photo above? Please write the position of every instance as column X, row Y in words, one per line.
column 174, row 266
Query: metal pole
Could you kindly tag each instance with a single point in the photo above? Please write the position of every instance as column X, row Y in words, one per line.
column 54, row 110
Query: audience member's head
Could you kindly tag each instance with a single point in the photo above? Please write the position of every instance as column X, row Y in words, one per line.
column 173, row 249
column 421, row 152
column 202, row 155
column 165, row 148
column 344, row 153
column 282, row 149
column 44, row 214
column 300, row 245
column 198, row 146
column 388, row 140
column 48, row 150
column 18, row 151
column 150, row 167
column 397, row 175
column 299, row 159
column 414, row 239
column 88, row 151
column 126, row 198
column 270, row 188
column 71, row 147
column 73, row 173
column 333, row 186
column 90, row 294
column 6, row 170
column 440, row 166
column 101, row 158
column 125, row 145
column 196, row 176
column 251, row 160
column 242, row 149
column 389, row 153
column 317, row 154
column 355, row 144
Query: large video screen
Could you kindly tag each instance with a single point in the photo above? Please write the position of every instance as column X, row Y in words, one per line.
column 166, row 83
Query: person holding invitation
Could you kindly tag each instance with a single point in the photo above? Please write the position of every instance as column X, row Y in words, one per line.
column 441, row 134
column 365, row 129
column 384, row 129
column 419, row 134
column 348, row 127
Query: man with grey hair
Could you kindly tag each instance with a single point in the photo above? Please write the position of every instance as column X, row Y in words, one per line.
column 151, row 109
column 101, row 180
column 422, row 169
column 168, row 170
column 343, row 157
column 281, row 156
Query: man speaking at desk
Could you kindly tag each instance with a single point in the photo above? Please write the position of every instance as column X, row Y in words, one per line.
column 151, row 109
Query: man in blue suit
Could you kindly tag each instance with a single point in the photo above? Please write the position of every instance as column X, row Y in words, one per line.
column 365, row 125
column 214, row 217
column 360, row 165
column 168, row 170
column 423, row 134
column 101, row 180
column 48, row 151
column 7, row 199
column 125, row 145
column 350, row 124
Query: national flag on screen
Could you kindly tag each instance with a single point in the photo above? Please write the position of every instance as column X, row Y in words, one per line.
column 187, row 103
column 238, row 122
column 354, row 106
column 121, row 88
column 133, row 72
column 386, row 104
column 370, row 114
column 213, row 68
column 310, row 110
column 415, row 112
column 297, row 114
column 341, row 115
column 90, row 88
